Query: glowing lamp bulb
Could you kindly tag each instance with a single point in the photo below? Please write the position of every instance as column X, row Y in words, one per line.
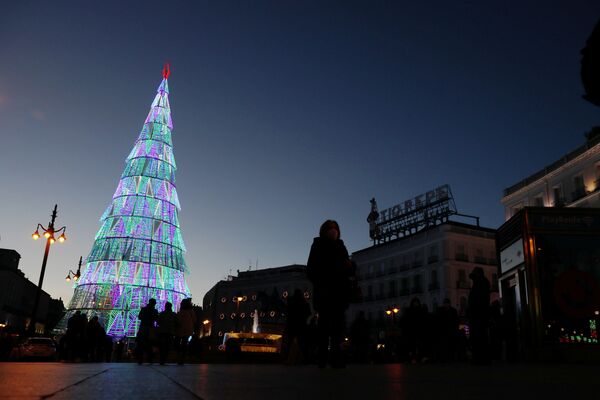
column 68, row 278
column 395, row 310
column 35, row 235
column 388, row 312
column 51, row 239
column 75, row 277
column 62, row 238
column 47, row 235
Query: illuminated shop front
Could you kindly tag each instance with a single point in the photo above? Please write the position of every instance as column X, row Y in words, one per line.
column 550, row 283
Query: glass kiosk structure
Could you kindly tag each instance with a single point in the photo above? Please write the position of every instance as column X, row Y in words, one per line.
column 550, row 283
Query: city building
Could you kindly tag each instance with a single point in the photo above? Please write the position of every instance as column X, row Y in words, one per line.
column 571, row 181
column 252, row 301
column 17, row 294
column 419, row 252
column 430, row 265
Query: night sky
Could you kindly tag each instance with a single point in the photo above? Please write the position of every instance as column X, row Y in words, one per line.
column 285, row 113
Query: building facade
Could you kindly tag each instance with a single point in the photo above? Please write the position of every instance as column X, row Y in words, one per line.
column 17, row 294
column 252, row 301
column 571, row 181
column 431, row 265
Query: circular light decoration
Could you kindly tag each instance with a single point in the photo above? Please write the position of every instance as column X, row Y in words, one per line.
column 232, row 315
column 307, row 295
column 252, row 314
column 244, row 298
column 285, row 294
column 253, row 297
column 223, row 299
column 222, row 316
column 242, row 315
column 272, row 313
column 262, row 314
column 221, row 334
column 221, row 347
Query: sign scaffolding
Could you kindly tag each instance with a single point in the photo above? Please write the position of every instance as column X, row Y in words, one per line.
column 407, row 218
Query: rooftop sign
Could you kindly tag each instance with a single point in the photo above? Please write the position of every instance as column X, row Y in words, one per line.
column 410, row 216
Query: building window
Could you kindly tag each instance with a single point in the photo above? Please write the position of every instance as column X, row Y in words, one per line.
column 538, row 201
column 557, row 197
column 579, row 191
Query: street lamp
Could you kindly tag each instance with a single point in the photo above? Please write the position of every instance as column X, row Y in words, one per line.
column 49, row 233
column 77, row 274
column 392, row 311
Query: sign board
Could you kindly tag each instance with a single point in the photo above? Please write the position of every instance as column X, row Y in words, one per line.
column 410, row 216
column 512, row 256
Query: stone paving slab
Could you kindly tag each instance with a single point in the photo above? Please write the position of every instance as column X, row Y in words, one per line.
column 268, row 381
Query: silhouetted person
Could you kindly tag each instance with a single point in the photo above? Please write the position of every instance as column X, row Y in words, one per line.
column 95, row 338
column 413, row 329
column 359, row 338
column 167, row 327
column 497, row 330
column 478, row 313
column 297, row 313
column 329, row 269
column 72, row 336
column 186, row 325
column 147, row 316
column 447, row 320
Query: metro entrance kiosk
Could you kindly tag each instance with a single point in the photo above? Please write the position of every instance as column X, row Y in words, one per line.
column 550, row 283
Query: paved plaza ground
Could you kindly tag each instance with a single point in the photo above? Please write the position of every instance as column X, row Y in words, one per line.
column 262, row 381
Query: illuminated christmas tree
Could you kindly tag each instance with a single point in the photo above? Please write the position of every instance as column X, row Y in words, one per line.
column 138, row 251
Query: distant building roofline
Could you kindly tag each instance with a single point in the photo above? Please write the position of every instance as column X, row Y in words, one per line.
column 590, row 143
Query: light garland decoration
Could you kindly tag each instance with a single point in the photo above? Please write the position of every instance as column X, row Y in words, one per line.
column 138, row 252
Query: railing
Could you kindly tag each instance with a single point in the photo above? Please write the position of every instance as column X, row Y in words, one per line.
column 416, row 290
column 462, row 285
column 480, row 260
column 579, row 193
column 461, row 257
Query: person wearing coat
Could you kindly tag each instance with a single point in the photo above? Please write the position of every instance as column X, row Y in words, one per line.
column 186, row 325
column 329, row 269
column 167, row 325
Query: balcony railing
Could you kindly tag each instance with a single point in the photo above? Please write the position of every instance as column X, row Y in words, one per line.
column 461, row 257
column 480, row 260
column 416, row 290
column 579, row 193
column 560, row 202
column 462, row 285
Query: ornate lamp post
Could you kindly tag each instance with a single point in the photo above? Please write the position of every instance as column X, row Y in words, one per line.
column 75, row 275
column 49, row 233
column 393, row 311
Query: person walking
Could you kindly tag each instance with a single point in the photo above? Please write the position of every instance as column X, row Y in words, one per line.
column 186, row 325
column 167, row 326
column 147, row 316
column 478, row 313
column 448, row 322
column 297, row 313
column 329, row 269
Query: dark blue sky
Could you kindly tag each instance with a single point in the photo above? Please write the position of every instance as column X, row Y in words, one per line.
column 285, row 112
